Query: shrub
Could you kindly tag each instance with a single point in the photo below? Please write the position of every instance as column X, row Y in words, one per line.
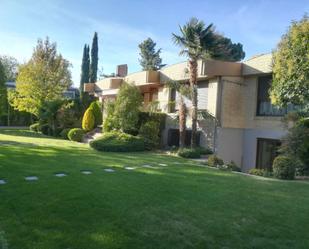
column 45, row 129
column 258, row 172
column 204, row 151
column 214, row 161
column 109, row 122
column 64, row 133
column 233, row 166
column 96, row 109
column 76, row 134
column 118, row 142
column 189, row 153
column 284, row 167
column 88, row 120
column 150, row 132
column 35, row 127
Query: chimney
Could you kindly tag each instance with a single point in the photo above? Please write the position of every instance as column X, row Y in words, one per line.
column 122, row 70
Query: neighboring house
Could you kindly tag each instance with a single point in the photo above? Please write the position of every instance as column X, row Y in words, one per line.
column 71, row 93
column 246, row 127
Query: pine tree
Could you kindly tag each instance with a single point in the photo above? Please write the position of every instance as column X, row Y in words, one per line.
column 84, row 78
column 150, row 58
column 94, row 59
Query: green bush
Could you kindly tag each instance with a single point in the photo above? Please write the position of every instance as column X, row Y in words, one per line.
column 188, row 153
column 284, row 167
column 158, row 117
column 233, row 166
column 35, row 127
column 64, row 133
column 204, row 151
column 118, row 142
column 214, row 161
column 88, row 120
column 150, row 132
column 96, row 109
column 258, row 172
column 76, row 134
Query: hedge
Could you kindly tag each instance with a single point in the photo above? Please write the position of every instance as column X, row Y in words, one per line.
column 76, row 134
column 118, row 142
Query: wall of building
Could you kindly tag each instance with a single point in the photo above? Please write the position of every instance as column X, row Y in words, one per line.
column 250, row 144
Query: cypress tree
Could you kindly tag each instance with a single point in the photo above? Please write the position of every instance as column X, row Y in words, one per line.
column 94, row 59
column 84, row 78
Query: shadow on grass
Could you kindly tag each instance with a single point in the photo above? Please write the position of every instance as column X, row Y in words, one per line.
column 23, row 133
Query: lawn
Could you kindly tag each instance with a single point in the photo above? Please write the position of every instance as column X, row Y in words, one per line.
column 178, row 206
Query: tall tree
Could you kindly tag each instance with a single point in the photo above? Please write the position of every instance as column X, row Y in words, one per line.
column 291, row 66
column 10, row 65
column 3, row 91
column 84, row 78
column 200, row 42
column 94, row 59
column 43, row 78
column 150, row 57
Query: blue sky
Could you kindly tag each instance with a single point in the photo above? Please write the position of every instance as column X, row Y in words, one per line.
column 122, row 25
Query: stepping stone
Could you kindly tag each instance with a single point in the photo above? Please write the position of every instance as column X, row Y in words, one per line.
column 130, row 168
column 86, row 172
column 2, row 182
column 163, row 164
column 109, row 170
column 31, row 178
column 149, row 166
column 60, row 174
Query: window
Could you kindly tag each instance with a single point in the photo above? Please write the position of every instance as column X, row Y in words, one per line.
column 264, row 106
column 267, row 150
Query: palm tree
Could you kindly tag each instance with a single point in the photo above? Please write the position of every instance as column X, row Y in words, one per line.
column 183, row 91
column 196, row 42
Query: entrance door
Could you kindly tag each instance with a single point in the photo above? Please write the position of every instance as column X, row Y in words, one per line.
column 267, row 150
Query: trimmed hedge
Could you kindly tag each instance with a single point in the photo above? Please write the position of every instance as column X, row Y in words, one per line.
column 284, row 167
column 188, row 153
column 118, row 142
column 150, row 132
column 88, row 120
column 96, row 109
column 76, row 134
column 214, row 161
column 260, row 172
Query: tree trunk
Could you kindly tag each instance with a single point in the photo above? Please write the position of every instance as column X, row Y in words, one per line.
column 182, row 122
column 193, row 86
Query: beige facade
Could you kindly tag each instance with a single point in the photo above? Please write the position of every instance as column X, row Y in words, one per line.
column 230, row 96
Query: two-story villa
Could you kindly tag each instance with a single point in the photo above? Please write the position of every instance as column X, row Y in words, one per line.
column 246, row 127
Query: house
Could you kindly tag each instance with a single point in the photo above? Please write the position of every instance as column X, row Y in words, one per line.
column 243, row 127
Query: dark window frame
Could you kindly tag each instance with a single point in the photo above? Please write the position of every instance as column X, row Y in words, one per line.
column 271, row 140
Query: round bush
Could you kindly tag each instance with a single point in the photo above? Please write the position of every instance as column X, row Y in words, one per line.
column 118, row 142
column 284, row 167
column 76, row 134
column 64, row 133
column 214, row 161
column 189, row 153
column 88, row 120
column 35, row 127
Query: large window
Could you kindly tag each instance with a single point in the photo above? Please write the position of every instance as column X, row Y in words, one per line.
column 264, row 106
column 267, row 150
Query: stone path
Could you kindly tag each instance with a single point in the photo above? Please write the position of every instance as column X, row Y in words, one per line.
column 89, row 172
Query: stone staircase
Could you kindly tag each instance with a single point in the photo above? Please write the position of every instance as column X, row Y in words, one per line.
column 91, row 135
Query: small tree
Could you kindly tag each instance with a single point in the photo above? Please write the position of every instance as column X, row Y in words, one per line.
column 10, row 65
column 109, row 122
column 291, row 66
column 150, row 57
column 127, row 106
column 88, row 120
column 42, row 79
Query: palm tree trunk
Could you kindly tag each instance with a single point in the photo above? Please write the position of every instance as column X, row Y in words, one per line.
column 193, row 86
column 182, row 122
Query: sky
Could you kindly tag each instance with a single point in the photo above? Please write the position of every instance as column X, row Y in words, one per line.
column 122, row 25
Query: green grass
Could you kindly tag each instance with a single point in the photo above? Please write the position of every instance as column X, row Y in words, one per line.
column 179, row 206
